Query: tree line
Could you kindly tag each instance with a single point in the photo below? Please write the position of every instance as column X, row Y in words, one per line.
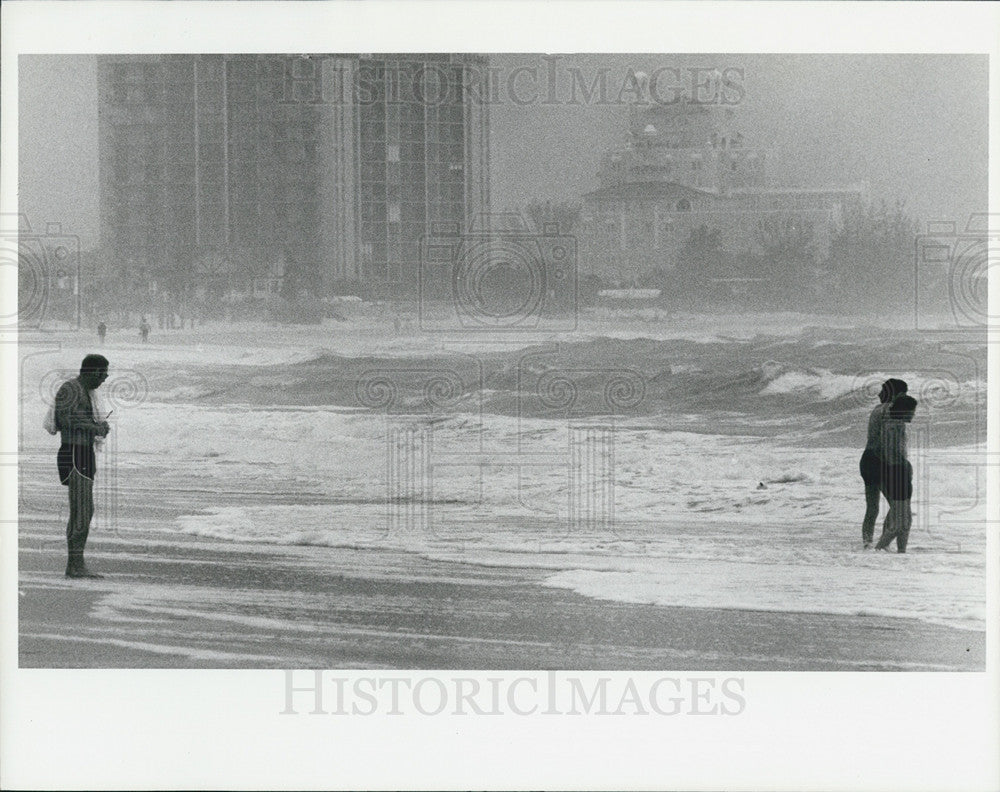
column 866, row 265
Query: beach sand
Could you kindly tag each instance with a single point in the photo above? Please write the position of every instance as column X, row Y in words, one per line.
column 190, row 602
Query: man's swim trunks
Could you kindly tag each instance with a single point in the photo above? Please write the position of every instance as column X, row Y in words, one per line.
column 898, row 481
column 79, row 457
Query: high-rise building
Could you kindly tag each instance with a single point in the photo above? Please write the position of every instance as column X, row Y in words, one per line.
column 224, row 171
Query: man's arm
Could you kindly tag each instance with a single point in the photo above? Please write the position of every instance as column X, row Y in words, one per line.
column 72, row 413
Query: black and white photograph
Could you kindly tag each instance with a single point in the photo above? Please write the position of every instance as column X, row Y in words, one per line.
column 498, row 380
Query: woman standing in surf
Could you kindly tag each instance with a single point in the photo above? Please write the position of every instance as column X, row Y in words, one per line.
column 871, row 460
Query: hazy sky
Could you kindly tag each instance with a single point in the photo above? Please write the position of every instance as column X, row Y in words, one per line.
column 912, row 126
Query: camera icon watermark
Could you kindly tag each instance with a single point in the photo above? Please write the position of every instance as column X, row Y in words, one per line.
column 497, row 276
column 940, row 506
column 951, row 275
column 587, row 404
column 447, row 466
column 43, row 267
column 414, row 401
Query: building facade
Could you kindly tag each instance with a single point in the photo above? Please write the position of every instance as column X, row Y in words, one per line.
column 240, row 171
column 683, row 167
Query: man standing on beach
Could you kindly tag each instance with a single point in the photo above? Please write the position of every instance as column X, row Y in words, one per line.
column 79, row 426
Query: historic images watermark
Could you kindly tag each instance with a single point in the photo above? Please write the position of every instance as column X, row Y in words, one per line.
column 584, row 406
column 951, row 275
column 42, row 266
column 551, row 80
column 440, row 473
column 498, row 276
column 413, row 401
column 523, row 695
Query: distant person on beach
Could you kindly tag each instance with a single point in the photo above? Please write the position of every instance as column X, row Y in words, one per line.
column 897, row 474
column 102, row 330
column 871, row 459
column 79, row 426
column 144, row 330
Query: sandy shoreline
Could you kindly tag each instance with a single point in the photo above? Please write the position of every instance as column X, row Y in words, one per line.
column 197, row 603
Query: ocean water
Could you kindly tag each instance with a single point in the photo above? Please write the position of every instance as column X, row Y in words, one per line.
column 690, row 466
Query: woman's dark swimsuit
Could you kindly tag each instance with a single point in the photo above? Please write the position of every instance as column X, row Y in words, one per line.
column 871, row 468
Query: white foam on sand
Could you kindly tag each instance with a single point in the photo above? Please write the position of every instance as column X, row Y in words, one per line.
column 794, row 568
column 872, row 584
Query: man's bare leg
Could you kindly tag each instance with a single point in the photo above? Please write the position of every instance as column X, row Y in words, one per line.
column 906, row 520
column 889, row 527
column 81, row 512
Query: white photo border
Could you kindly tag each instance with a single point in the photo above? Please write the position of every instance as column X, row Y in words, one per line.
column 223, row 729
